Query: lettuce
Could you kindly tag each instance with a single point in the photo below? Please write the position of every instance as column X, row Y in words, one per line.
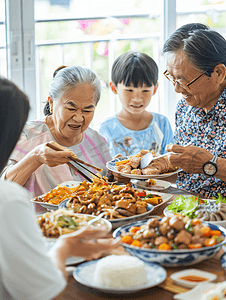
column 184, row 205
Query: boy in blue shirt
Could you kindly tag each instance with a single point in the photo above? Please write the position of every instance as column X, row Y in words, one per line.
column 133, row 128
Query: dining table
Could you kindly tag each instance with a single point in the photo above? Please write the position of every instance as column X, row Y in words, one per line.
column 164, row 291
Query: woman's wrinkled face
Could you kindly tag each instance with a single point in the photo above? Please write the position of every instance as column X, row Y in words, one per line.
column 74, row 111
column 202, row 92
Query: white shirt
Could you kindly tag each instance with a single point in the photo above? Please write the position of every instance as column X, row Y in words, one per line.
column 26, row 270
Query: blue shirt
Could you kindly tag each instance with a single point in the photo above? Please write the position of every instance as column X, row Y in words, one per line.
column 129, row 142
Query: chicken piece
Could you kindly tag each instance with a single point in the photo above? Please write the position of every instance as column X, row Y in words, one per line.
column 161, row 240
column 141, row 207
column 136, row 171
column 164, row 229
column 124, row 168
column 149, row 233
column 126, row 204
column 176, row 223
column 152, row 223
column 135, row 161
column 158, row 166
column 183, row 237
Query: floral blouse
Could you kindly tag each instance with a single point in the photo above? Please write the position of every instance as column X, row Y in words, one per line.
column 205, row 130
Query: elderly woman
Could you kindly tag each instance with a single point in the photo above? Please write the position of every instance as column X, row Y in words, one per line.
column 27, row 270
column 73, row 96
column 196, row 65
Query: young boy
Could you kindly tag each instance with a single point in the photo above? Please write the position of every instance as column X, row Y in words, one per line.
column 133, row 128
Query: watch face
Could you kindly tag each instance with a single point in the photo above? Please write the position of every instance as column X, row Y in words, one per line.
column 209, row 169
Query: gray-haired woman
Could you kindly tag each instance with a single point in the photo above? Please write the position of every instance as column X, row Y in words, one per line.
column 73, row 96
column 196, row 65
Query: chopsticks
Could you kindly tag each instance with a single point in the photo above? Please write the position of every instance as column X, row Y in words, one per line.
column 79, row 162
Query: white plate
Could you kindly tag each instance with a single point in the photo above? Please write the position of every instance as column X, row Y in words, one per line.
column 111, row 166
column 48, row 206
column 159, row 185
column 196, row 292
column 195, row 272
column 70, row 260
column 84, row 274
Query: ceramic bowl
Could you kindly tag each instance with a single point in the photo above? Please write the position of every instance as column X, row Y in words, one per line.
column 172, row 258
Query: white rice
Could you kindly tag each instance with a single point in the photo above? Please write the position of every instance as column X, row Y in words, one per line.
column 120, row 271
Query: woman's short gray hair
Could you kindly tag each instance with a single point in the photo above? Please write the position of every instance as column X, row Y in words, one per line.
column 69, row 77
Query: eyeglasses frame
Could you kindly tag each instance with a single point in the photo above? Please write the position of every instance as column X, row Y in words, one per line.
column 186, row 84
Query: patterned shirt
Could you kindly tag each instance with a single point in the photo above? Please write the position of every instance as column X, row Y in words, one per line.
column 205, row 130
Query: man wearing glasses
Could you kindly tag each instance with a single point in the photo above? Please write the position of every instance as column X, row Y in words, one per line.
column 196, row 66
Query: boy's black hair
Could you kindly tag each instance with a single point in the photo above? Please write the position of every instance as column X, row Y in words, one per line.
column 134, row 68
column 14, row 109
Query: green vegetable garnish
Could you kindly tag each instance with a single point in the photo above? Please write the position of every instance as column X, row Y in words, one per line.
column 219, row 199
column 184, row 205
column 66, row 221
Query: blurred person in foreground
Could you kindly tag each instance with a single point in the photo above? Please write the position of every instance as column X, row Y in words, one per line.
column 196, row 66
column 27, row 271
column 73, row 95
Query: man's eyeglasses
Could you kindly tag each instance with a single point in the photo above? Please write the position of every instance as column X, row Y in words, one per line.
column 181, row 84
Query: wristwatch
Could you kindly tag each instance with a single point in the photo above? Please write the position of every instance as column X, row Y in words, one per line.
column 210, row 167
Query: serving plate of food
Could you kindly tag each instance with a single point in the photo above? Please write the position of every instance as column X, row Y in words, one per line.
column 54, row 197
column 60, row 222
column 172, row 242
column 129, row 166
column 210, row 210
column 121, row 204
column 127, row 269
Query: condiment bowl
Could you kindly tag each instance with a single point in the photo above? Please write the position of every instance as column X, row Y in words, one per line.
column 172, row 258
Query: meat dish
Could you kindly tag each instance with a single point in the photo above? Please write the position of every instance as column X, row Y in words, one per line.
column 177, row 232
column 156, row 167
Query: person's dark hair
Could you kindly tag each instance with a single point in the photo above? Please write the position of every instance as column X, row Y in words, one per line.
column 14, row 109
column 134, row 68
column 204, row 48
column 65, row 78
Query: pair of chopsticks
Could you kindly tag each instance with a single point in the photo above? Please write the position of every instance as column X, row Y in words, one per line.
column 79, row 162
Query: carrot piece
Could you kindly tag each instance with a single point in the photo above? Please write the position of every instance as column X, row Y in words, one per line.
column 195, row 222
column 210, row 242
column 122, row 162
column 206, row 231
column 136, row 243
column 164, row 246
column 134, row 229
column 215, row 233
column 194, row 246
column 127, row 239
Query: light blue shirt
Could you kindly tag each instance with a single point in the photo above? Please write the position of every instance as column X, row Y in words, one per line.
column 129, row 142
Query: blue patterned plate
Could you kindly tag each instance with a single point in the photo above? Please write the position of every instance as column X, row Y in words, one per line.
column 111, row 166
column 84, row 274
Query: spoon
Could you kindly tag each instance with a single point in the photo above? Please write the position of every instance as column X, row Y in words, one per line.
column 148, row 158
column 97, row 218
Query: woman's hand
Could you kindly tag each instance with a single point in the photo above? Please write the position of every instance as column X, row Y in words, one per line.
column 190, row 159
column 52, row 158
column 89, row 242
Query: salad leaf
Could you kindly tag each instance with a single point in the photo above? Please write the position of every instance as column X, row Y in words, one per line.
column 184, row 205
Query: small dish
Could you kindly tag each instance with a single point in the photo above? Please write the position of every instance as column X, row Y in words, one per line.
column 178, row 277
column 196, row 292
column 160, row 185
column 84, row 274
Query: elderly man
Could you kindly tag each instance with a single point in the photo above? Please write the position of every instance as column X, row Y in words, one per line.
column 196, row 66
